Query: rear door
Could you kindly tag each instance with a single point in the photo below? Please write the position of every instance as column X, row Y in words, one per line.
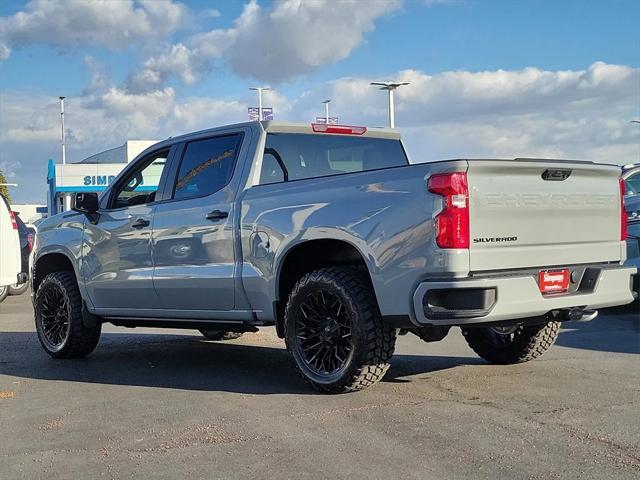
column 537, row 213
column 193, row 233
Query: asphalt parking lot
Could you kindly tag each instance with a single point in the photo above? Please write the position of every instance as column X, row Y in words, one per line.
column 168, row 404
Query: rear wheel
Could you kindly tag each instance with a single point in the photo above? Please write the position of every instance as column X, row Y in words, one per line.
column 4, row 291
column 58, row 316
column 334, row 331
column 513, row 343
column 220, row 334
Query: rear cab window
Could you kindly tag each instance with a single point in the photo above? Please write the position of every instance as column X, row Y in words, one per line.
column 207, row 166
column 313, row 155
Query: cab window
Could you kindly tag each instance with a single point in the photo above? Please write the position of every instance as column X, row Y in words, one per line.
column 206, row 166
column 311, row 155
column 141, row 184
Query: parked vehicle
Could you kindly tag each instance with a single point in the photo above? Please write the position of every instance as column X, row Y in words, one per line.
column 10, row 271
column 329, row 234
column 27, row 236
column 632, row 204
column 631, row 177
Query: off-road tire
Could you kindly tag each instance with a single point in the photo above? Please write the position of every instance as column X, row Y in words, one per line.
column 80, row 340
column 4, row 292
column 18, row 289
column 373, row 341
column 220, row 334
column 529, row 343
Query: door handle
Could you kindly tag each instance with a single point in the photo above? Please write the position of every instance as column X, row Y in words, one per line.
column 141, row 222
column 217, row 215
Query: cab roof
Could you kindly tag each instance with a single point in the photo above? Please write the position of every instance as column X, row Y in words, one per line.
column 290, row 127
column 278, row 127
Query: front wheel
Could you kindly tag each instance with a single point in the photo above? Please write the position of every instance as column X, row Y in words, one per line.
column 334, row 331
column 58, row 314
column 513, row 343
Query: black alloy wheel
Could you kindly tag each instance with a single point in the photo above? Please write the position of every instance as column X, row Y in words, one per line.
column 323, row 333
column 55, row 316
column 503, row 336
column 334, row 331
column 62, row 328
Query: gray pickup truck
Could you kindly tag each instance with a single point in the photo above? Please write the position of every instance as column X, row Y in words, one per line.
column 330, row 234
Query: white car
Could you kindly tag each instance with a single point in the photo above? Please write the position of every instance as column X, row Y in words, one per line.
column 10, row 261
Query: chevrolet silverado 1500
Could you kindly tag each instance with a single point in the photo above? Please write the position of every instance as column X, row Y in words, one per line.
column 330, row 234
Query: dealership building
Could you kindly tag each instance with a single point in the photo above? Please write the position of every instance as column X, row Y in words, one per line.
column 93, row 174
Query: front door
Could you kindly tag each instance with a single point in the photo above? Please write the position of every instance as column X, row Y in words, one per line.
column 193, row 233
column 117, row 264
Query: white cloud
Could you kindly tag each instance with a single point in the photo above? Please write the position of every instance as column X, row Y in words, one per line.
column 98, row 121
column 30, row 128
column 4, row 52
column 505, row 114
column 297, row 36
column 211, row 13
column 100, row 79
column 275, row 44
column 74, row 23
column 179, row 61
column 529, row 112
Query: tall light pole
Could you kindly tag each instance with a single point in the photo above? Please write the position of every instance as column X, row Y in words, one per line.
column 390, row 87
column 259, row 90
column 64, row 155
column 67, row 196
column 326, row 110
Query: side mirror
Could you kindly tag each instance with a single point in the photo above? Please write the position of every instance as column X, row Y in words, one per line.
column 86, row 203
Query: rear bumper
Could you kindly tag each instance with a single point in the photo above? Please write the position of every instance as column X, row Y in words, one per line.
column 494, row 299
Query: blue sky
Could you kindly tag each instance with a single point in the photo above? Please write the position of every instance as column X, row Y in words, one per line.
column 467, row 35
column 512, row 78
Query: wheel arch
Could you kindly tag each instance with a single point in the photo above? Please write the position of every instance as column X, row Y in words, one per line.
column 49, row 262
column 309, row 255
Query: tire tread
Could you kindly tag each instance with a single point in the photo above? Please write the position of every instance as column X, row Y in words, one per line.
column 82, row 340
column 379, row 338
column 536, row 340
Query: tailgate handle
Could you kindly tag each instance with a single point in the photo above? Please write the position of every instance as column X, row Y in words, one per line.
column 556, row 174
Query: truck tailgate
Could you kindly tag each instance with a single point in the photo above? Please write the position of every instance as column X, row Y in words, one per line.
column 542, row 213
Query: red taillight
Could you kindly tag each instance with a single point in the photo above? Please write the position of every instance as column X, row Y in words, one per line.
column 30, row 242
column 623, row 213
column 452, row 223
column 341, row 129
column 14, row 224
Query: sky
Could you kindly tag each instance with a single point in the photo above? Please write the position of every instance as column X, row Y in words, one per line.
column 488, row 79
